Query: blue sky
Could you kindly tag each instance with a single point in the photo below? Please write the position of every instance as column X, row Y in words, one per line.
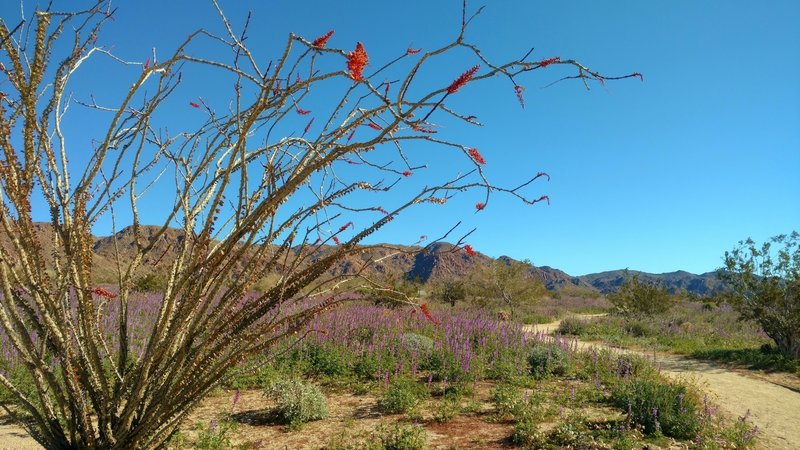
column 654, row 176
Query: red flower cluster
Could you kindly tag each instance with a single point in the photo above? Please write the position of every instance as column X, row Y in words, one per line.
column 356, row 61
column 308, row 127
column 412, row 51
column 336, row 240
column 548, row 61
column 470, row 251
column 322, row 40
column 345, row 226
column 302, row 111
column 194, row 105
column 462, row 80
column 147, row 64
column 428, row 314
column 518, row 90
column 100, row 292
column 374, row 126
column 476, row 156
column 421, row 129
column 407, row 173
column 480, row 206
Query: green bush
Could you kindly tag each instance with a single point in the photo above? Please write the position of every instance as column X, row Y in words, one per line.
column 216, row 436
column 507, row 400
column 151, row 282
column 670, row 408
column 636, row 297
column 402, row 437
column 297, row 402
column 327, row 360
column 547, row 359
column 572, row 326
column 402, row 395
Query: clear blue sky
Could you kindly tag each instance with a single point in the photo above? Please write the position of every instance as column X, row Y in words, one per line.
column 654, row 176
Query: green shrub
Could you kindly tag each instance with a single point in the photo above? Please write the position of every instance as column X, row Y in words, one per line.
column 402, row 437
column 151, row 282
column 216, row 436
column 572, row 326
column 636, row 297
column 507, row 400
column 659, row 406
column 297, row 402
column 402, row 395
column 546, row 359
column 447, row 409
column 327, row 360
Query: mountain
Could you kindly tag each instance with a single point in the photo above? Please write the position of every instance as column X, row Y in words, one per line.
column 410, row 262
column 703, row 284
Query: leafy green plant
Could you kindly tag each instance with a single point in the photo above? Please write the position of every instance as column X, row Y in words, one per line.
column 402, row 437
column 571, row 326
column 764, row 286
column 667, row 407
column 215, row 436
column 297, row 402
column 547, row 359
column 402, row 395
column 636, row 297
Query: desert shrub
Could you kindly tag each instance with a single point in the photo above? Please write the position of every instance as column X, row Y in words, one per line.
column 447, row 409
column 402, row 395
column 297, row 402
column 506, row 399
column 636, row 297
column 572, row 326
column 526, row 432
column 402, row 437
column 639, row 328
column 417, row 342
column 151, row 282
column 327, row 360
column 764, row 286
column 547, row 359
column 216, row 436
column 661, row 406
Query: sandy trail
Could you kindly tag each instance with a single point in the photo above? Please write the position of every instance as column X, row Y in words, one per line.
column 774, row 408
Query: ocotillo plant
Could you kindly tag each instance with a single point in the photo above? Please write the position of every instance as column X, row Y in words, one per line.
column 259, row 188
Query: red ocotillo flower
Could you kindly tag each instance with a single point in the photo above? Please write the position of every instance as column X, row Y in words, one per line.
column 462, row 80
column 277, row 89
column 412, row 51
column 322, row 40
column 470, row 251
column 302, row 111
column 336, row 240
column 147, row 64
column 374, row 126
column 548, row 61
column 424, row 308
column 356, row 61
column 637, row 74
column 407, row 173
column 100, row 292
column 345, row 226
column 476, row 156
column 479, row 206
column 518, row 90
column 194, row 105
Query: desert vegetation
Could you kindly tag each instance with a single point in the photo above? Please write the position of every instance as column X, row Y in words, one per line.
column 253, row 310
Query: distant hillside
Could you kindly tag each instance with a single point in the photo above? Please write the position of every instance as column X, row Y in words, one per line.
column 703, row 284
column 414, row 263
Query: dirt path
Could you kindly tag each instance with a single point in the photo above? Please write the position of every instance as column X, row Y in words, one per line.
column 775, row 409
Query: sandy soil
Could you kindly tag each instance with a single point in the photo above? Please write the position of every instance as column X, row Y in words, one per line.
column 774, row 407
